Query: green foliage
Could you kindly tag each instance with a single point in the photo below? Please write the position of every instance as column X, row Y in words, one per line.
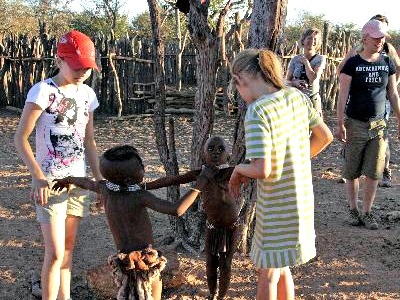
column 216, row 6
column 141, row 26
column 306, row 19
column 16, row 17
column 394, row 39
column 54, row 13
column 347, row 27
column 93, row 22
column 104, row 17
column 21, row 17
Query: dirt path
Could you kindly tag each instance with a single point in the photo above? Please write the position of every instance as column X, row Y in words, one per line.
column 352, row 262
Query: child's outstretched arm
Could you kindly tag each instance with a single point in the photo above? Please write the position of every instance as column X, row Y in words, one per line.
column 180, row 207
column 182, row 179
column 82, row 182
column 171, row 180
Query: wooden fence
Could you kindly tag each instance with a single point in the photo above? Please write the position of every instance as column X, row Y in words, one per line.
column 26, row 60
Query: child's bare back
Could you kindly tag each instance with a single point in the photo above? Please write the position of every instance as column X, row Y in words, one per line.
column 126, row 204
column 127, row 218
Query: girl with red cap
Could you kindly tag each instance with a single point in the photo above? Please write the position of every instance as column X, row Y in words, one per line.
column 61, row 108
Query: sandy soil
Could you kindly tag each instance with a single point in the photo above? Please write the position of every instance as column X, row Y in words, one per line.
column 352, row 262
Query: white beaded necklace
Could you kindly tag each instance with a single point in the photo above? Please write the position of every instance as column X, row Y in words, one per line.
column 117, row 188
column 223, row 166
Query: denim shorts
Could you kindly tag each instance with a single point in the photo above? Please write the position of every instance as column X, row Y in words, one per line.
column 365, row 147
column 74, row 202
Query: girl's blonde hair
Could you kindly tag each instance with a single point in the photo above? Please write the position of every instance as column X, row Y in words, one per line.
column 263, row 62
column 310, row 32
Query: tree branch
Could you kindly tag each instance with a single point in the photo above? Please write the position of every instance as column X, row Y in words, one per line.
column 221, row 18
column 166, row 15
column 185, row 38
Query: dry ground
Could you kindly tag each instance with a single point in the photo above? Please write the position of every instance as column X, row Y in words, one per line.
column 352, row 262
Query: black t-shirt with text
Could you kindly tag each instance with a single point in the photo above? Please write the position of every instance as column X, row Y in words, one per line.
column 369, row 82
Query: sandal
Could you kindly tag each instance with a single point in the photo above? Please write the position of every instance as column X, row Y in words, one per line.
column 36, row 288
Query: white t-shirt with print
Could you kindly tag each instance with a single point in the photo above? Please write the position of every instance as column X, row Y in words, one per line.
column 60, row 129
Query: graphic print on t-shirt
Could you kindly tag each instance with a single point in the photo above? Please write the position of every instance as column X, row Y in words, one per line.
column 64, row 148
column 369, row 81
column 61, row 128
column 63, row 143
column 66, row 109
column 373, row 74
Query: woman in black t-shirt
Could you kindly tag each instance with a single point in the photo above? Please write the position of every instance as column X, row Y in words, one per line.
column 390, row 51
column 365, row 81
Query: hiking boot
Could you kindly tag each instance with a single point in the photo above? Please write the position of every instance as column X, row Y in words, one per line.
column 386, row 179
column 354, row 217
column 369, row 221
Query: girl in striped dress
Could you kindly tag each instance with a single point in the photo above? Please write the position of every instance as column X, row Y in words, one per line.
column 279, row 145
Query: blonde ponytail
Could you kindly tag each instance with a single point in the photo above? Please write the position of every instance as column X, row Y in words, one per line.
column 263, row 62
column 271, row 68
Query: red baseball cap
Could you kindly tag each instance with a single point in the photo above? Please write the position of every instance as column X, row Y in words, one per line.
column 77, row 49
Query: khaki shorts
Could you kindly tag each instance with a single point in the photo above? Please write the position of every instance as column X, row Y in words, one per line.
column 364, row 152
column 75, row 203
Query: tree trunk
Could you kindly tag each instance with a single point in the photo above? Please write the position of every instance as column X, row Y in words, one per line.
column 206, row 62
column 225, row 72
column 267, row 23
column 266, row 27
column 207, row 44
column 178, row 78
column 167, row 152
column 116, row 85
column 206, row 41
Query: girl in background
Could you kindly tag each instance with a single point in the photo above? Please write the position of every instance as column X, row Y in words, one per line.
column 305, row 70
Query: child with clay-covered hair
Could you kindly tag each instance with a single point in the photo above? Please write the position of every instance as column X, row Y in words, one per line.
column 137, row 266
column 222, row 211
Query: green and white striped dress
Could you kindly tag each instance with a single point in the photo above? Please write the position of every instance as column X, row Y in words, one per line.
column 277, row 128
